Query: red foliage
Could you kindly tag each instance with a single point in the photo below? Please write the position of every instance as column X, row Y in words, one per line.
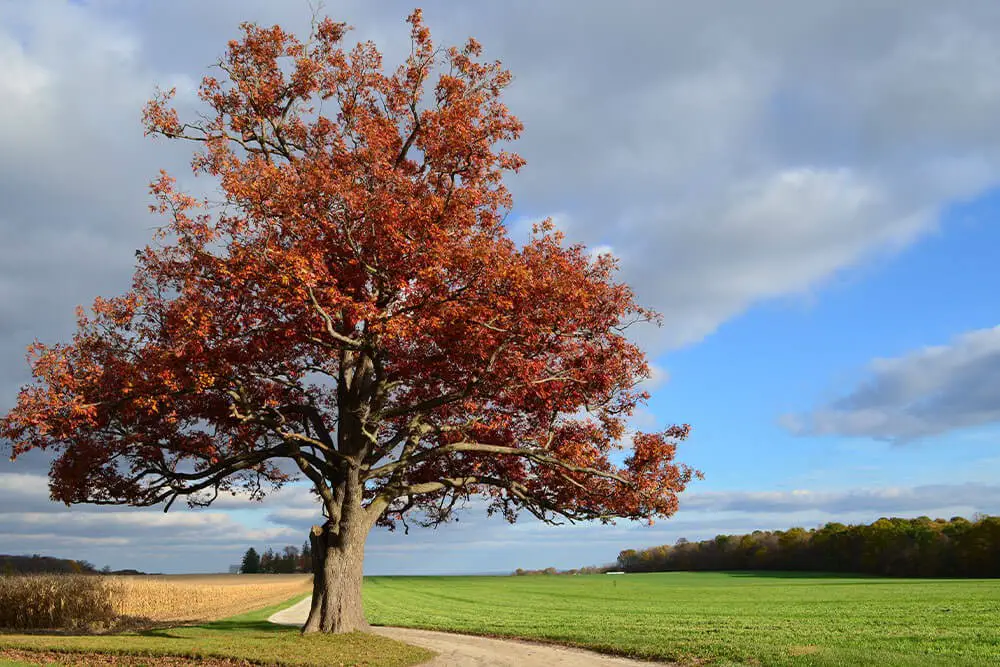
column 356, row 307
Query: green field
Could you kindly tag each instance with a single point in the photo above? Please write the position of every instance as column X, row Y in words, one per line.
column 718, row 618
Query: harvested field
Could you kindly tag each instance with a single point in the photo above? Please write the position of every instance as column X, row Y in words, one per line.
column 82, row 602
column 203, row 597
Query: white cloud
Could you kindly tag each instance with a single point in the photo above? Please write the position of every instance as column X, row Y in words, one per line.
column 147, row 539
column 783, row 233
column 893, row 500
column 658, row 376
column 926, row 392
column 603, row 249
column 22, row 81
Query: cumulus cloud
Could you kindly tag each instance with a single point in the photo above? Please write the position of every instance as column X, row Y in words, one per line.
column 181, row 540
column 927, row 392
column 754, row 159
column 27, row 493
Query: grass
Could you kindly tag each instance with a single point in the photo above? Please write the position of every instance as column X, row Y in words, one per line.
column 715, row 618
column 247, row 637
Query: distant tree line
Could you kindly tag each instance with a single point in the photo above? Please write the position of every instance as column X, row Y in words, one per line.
column 921, row 547
column 289, row 560
column 38, row 564
column 589, row 569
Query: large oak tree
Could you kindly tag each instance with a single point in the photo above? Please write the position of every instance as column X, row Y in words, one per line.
column 353, row 312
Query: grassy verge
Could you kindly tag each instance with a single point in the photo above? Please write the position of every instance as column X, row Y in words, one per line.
column 247, row 639
column 733, row 618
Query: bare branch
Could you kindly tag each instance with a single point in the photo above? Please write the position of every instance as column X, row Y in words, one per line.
column 330, row 328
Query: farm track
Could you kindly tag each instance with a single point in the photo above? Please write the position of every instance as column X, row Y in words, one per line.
column 457, row 650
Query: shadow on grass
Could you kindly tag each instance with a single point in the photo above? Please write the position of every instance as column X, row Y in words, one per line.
column 256, row 626
column 227, row 626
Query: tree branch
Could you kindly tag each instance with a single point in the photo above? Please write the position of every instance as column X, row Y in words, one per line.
column 537, row 455
column 330, row 328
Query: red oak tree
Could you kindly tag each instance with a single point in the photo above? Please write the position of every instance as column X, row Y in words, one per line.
column 354, row 309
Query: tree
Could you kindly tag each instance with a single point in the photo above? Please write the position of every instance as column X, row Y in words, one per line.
column 288, row 561
column 251, row 562
column 267, row 561
column 305, row 558
column 353, row 312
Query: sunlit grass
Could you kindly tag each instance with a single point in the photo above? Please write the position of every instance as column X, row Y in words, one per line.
column 722, row 618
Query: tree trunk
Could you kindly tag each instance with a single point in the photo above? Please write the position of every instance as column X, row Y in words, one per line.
column 338, row 553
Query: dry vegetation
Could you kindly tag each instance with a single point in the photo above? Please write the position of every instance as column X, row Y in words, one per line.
column 63, row 601
column 80, row 602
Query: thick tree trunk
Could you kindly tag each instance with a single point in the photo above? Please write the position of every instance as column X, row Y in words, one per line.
column 338, row 552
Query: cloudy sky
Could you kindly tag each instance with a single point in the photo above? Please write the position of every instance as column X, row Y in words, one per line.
column 806, row 191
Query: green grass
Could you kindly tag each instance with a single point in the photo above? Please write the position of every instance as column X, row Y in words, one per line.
column 719, row 618
column 247, row 637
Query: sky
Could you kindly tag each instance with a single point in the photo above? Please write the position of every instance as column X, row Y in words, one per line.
column 806, row 191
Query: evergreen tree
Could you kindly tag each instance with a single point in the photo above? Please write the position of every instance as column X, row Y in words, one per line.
column 251, row 562
column 306, row 558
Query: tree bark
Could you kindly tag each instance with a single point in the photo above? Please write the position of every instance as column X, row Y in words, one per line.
column 338, row 553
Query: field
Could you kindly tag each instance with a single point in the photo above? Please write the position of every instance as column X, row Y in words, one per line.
column 691, row 618
column 79, row 602
column 238, row 640
column 716, row 618
column 206, row 597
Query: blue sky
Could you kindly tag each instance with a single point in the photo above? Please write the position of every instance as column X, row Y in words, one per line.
column 789, row 355
column 807, row 191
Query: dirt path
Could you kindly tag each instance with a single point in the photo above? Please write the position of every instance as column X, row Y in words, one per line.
column 469, row 651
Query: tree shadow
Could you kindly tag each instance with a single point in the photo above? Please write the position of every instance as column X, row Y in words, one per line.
column 259, row 626
column 256, row 626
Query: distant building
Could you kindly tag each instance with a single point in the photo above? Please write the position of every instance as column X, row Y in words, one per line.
column 234, row 569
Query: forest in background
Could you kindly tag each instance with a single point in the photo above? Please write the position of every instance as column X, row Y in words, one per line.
column 921, row 547
column 288, row 560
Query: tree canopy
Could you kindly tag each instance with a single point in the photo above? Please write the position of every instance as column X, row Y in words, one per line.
column 354, row 312
column 251, row 562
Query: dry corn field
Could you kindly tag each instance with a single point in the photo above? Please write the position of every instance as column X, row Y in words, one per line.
column 81, row 602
